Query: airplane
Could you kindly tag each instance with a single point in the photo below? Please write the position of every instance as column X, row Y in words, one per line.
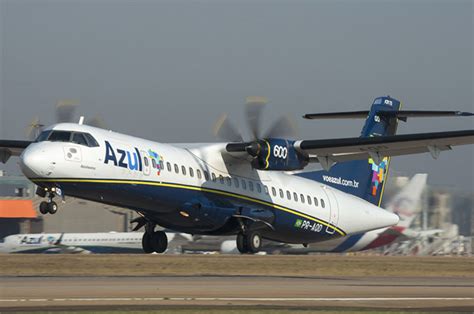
column 81, row 243
column 236, row 187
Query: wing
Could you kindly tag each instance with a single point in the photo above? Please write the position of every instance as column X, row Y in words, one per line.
column 344, row 149
column 11, row 148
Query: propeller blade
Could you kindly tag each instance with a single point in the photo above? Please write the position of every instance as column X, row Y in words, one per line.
column 253, row 110
column 285, row 127
column 97, row 122
column 65, row 110
column 34, row 128
column 225, row 130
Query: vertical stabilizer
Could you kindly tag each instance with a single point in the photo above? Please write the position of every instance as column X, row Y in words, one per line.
column 364, row 178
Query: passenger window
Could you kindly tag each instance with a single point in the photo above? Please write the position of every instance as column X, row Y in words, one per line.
column 183, row 170
column 250, row 185
column 228, row 181
column 266, row 189
column 162, row 165
column 281, row 193
column 236, row 182
column 315, row 202
column 302, row 198
column 221, row 179
column 244, row 185
column 145, row 159
column 176, row 168
column 214, row 177
column 60, row 136
column 288, row 195
column 168, row 166
column 274, row 192
column 79, row 138
column 153, row 163
column 206, row 175
column 198, row 172
column 323, row 205
column 259, row 188
column 191, row 172
column 309, row 199
column 295, row 196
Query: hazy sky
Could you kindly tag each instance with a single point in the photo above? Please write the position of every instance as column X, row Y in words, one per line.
column 165, row 70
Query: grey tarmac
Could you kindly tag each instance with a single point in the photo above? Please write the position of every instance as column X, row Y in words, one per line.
column 422, row 293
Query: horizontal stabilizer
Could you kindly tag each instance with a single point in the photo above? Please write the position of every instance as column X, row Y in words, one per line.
column 357, row 148
column 401, row 115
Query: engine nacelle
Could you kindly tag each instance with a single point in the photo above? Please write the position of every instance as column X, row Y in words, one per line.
column 276, row 154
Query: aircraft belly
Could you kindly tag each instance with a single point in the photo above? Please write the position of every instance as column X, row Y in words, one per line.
column 173, row 206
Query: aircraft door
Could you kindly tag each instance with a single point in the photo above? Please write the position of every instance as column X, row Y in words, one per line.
column 333, row 210
column 146, row 163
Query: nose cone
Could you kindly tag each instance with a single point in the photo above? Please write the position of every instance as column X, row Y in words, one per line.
column 361, row 216
column 34, row 162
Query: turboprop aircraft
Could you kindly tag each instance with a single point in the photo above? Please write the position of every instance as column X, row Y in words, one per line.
column 243, row 188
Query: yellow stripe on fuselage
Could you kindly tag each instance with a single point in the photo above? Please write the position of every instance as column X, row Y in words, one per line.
column 195, row 188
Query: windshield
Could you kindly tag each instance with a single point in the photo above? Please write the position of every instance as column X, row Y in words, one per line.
column 80, row 138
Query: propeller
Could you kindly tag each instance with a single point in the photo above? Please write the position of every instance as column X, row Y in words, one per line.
column 284, row 127
column 34, row 128
column 96, row 121
column 64, row 110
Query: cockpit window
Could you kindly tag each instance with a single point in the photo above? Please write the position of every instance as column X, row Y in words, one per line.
column 79, row 138
column 67, row 136
column 91, row 142
column 60, row 136
column 43, row 136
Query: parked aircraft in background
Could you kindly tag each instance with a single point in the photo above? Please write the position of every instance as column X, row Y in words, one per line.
column 238, row 187
column 74, row 243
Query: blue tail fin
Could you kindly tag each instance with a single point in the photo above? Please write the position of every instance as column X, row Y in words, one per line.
column 364, row 178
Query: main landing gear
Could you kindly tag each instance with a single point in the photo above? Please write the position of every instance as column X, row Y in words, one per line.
column 249, row 242
column 154, row 241
column 49, row 206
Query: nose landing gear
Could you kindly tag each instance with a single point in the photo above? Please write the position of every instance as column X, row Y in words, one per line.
column 49, row 206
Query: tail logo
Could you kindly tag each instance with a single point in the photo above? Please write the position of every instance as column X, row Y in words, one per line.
column 378, row 174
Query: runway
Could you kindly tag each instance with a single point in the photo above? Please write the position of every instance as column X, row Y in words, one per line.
column 287, row 292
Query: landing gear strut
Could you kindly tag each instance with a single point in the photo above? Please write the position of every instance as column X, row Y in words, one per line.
column 154, row 241
column 249, row 242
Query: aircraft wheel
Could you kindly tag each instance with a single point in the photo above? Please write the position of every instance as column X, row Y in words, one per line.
column 146, row 243
column 52, row 207
column 43, row 208
column 241, row 243
column 160, row 241
column 254, row 242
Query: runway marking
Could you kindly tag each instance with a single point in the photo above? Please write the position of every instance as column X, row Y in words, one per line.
column 237, row 299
